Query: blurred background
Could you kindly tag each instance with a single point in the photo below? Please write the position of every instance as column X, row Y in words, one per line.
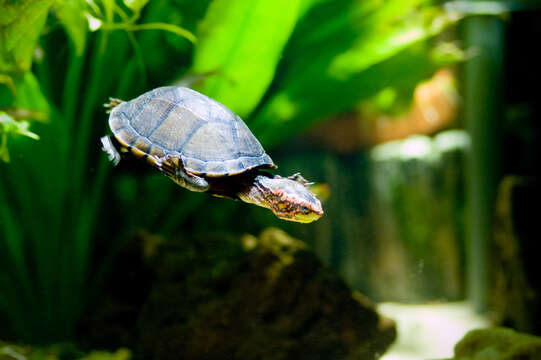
column 417, row 119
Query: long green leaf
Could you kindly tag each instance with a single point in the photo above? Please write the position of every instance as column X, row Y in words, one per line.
column 241, row 41
column 19, row 293
column 11, row 238
column 71, row 15
column 30, row 97
column 376, row 46
column 332, row 81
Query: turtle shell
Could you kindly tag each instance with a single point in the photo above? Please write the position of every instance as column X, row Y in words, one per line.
column 180, row 123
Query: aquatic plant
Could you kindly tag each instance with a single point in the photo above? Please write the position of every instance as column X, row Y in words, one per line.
column 281, row 65
column 52, row 191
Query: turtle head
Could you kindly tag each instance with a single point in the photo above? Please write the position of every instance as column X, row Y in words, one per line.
column 289, row 199
column 293, row 201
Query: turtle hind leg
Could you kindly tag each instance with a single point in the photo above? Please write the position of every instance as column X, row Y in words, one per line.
column 109, row 148
column 174, row 168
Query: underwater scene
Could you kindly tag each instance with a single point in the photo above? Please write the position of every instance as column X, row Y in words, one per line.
column 269, row 180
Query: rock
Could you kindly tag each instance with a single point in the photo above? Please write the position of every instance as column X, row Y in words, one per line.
column 266, row 298
column 515, row 291
column 498, row 344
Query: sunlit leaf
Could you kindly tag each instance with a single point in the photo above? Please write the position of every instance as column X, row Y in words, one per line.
column 20, row 25
column 291, row 110
column 346, row 68
column 135, row 5
column 9, row 125
column 379, row 45
column 29, row 103
column 93, row 22
column 305, row 5
column 71, row 15
column 242, row 41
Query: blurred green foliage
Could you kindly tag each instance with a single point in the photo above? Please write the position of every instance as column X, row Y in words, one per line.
column 20, row 24
column 282, row 65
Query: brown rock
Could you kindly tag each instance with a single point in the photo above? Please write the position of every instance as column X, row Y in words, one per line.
column 264, row 298
column 274, row 300
column 515, row 292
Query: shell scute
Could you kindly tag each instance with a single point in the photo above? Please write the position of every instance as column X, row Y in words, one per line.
column 180, row 122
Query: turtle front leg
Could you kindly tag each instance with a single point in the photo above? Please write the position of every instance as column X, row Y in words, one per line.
column 190, row 181
column 174, row 168
column 109, row 148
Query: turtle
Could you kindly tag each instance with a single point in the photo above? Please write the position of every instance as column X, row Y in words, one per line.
column 204, row 147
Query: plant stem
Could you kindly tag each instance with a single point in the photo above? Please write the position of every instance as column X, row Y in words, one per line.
column 166, row 27
column 482, row 113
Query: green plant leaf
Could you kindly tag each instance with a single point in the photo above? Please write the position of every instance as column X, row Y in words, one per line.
column 9, row 125
column 20, row 25
column 71, row 14
column 379, row 45
column 346, row 71
column 28, row 104
column 28, row 95
column 135, row 5
column 241, row 41
column 94, row 23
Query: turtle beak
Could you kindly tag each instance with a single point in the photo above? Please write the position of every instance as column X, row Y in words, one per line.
column 306, row 218
column 314, row 214
column 316, row 207
column 318, row 213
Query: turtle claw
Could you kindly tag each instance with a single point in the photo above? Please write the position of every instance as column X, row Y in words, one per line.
column 113, row 102
column 109, row 148
column 300, row 179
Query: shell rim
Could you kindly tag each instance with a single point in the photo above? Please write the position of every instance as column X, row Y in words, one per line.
column 155, row 160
